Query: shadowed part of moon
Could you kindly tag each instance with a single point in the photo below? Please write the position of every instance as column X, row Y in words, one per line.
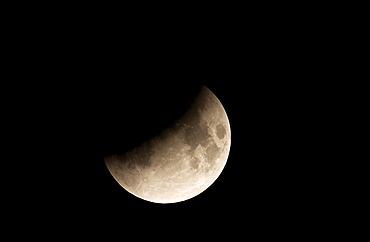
column 181, row 161
column 195, row 134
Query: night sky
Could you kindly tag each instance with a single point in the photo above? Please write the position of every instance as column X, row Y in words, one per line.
column 90, row 102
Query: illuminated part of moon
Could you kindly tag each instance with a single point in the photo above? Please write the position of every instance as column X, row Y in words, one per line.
column 182, row 161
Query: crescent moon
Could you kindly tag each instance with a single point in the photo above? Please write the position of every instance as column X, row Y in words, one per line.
column 183, row 160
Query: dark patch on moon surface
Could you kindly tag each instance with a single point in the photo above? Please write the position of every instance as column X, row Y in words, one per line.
column 195, row 133
column 220, row 131
column 212, row 152
column 194, row 163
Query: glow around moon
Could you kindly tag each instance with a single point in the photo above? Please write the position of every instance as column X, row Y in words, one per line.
column 182, row 161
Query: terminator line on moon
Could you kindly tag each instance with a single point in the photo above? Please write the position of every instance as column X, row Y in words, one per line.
column 183, row 160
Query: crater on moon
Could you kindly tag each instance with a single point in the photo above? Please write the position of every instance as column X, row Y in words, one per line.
column 220, row 131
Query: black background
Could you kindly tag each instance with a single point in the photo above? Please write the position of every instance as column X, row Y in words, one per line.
column 96, row 117
column 91, row 90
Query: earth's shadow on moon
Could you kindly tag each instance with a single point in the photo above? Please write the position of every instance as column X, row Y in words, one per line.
column 138, row 113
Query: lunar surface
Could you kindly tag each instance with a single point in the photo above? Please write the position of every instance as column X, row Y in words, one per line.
column 183, row 160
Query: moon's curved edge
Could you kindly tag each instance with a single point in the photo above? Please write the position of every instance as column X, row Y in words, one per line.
column 114, row 156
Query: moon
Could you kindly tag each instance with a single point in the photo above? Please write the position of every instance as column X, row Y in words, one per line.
column 183, row 160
